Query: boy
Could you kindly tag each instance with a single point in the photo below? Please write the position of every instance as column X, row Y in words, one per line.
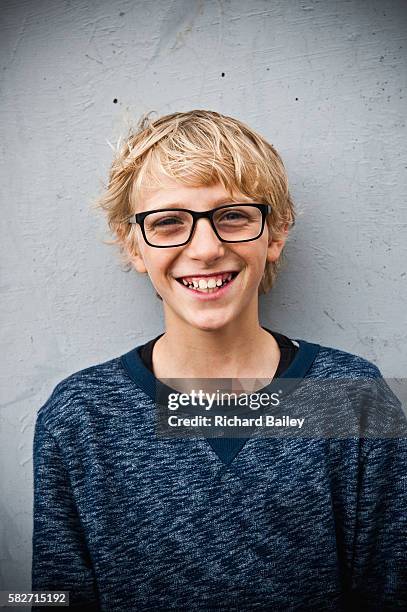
column 127, row 520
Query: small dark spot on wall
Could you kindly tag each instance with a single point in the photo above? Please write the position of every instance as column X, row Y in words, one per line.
column 348, row 282
column 296, row 98
column 267, row 68
column 122, row 14
column 381, row 58
column 115, row 101
column 223, row 74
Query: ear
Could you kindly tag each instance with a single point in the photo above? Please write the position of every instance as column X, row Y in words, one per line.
column 138, row 263
column 137, row 255
column 275, row 247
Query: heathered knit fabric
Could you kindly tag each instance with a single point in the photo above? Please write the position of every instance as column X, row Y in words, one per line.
column 127, row 521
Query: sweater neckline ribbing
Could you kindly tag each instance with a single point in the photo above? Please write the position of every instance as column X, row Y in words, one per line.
column 297, row 370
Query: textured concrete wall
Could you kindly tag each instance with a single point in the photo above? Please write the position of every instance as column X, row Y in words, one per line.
column 325, row 81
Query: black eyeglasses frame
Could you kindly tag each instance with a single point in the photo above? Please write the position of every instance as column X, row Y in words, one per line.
column 139, row 218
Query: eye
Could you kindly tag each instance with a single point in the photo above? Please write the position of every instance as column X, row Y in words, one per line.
column 231, row 215
column 167, row 221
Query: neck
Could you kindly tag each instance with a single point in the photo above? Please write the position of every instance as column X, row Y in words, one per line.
column 241, row 349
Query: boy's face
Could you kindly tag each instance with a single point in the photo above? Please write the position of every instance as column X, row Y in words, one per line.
column 204, row 255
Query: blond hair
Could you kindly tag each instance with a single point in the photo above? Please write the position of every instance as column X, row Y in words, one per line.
column 196, row 148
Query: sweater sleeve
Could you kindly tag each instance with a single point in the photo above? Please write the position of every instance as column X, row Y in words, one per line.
column 60, row 559
column 380, row 544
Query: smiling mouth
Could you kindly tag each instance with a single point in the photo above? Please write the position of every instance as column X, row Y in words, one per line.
column 207, row 284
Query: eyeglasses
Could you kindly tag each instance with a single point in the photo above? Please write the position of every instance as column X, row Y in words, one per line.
column 172, row 227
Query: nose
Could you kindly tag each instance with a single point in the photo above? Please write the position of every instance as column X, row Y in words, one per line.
column 204, row 243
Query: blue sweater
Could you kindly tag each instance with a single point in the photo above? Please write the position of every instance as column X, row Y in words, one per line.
column 125, row 520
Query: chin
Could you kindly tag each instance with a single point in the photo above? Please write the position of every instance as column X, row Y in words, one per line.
column 208, row 323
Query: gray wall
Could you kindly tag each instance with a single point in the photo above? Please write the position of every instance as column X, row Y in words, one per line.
column 324, row 81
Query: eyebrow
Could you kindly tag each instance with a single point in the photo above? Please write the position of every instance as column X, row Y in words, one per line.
column 218, row 202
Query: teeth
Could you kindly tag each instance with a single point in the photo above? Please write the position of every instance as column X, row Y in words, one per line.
column 207, row 285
